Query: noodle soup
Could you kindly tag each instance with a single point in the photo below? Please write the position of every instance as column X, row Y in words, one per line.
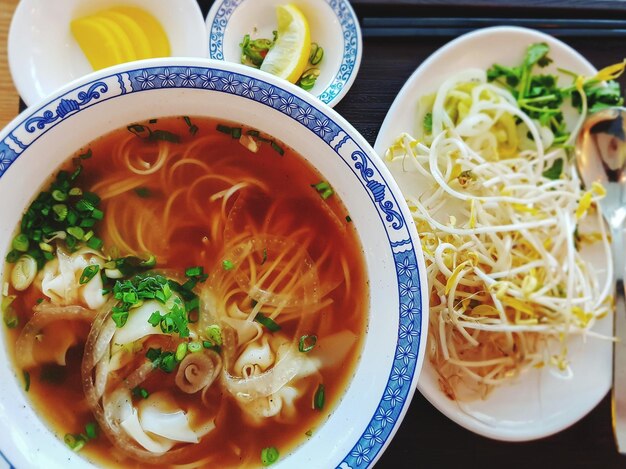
column 186, row 291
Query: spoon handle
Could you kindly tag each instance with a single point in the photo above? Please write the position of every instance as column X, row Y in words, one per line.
column 619, row 347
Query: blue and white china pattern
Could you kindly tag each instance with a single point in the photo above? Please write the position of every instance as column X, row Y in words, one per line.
column 349, row 29
column 398, row 387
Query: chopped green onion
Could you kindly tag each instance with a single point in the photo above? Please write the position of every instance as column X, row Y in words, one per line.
column 26, row 381
column 97, row 214
column 140, row 392
column 214, row 333
column 309, row 432
column 264, row 256
column 227, row 264
column 317, row 54
column 194, row 271
column 307, row 343
column 95, row 243
column 85, row 156
column 153, row 354
column 269, row 455
column 155, row 319
column 84, row 205
column 89, row 272
column 234, row 132
column 91, row 430
column 324, row 189
column 61, row 211
column 269, row 323
column 193, row 129
column 46, row 247
column 75, row 442
column 13, row 256
column 194, row 347
column 181, row 351
column 319, row 398
column 59, row 196
column 168, row 362
column 76, row 191
column 143, row 192
column 119, row 317
column 277, row 148
column 348, row 218
column 20, row 243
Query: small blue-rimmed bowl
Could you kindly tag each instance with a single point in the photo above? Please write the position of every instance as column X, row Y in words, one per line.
column 333, row 23
column 379, row 393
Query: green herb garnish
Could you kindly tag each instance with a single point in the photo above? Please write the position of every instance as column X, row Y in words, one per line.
column 269, row 455
column 269, row 323
column 89, row 272
column 324, row 189
column 319, row 398
column 307, row 343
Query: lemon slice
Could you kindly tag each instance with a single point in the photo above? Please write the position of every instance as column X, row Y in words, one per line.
column 97, row 43
column 135, row 34
column 151, row 27
column 290, row 54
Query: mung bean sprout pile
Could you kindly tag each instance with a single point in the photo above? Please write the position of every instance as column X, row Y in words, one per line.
column 503, row 218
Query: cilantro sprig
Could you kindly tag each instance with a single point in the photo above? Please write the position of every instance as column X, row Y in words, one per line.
column 540, row 96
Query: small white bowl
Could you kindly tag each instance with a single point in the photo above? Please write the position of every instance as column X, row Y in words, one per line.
column 44, row 56
column 334, row 26
column 379, row 393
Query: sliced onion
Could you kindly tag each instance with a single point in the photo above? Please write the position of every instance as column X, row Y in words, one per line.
column 45, row 314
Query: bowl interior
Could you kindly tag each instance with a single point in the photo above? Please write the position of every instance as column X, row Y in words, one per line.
column 43, row 55
column 391, row 355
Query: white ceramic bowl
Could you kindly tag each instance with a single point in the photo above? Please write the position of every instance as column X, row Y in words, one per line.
column 333, row 23
column 43, row 55
column 36, row 142
column 540, row 402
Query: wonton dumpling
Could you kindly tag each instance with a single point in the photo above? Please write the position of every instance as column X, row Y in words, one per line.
column 137, row 325
column 257, row 358
column 60, row 279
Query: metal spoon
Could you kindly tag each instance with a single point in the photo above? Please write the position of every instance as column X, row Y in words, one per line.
column 601, row 157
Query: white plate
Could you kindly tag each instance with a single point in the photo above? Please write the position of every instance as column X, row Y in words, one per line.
column 334, row 26
column 540, row 402
column 44, row 56
column 379, row 393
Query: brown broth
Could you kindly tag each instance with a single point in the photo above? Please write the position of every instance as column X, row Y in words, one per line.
column 56, row 392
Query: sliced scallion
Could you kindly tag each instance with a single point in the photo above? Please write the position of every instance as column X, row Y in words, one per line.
column 269, row 323
column 269, row 455
column 89, row 272
column 319, row 398
column 307, row 343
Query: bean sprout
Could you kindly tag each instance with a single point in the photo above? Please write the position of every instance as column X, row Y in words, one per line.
column 502, row 236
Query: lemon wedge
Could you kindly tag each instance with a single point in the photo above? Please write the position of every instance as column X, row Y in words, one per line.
column 159, row 42
column 290, row 54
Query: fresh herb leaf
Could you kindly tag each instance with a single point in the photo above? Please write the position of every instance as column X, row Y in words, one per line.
column 428, row 122
column 554, row 172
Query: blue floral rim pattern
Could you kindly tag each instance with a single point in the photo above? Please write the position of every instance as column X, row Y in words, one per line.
column 351, row 44
column 398, row 388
